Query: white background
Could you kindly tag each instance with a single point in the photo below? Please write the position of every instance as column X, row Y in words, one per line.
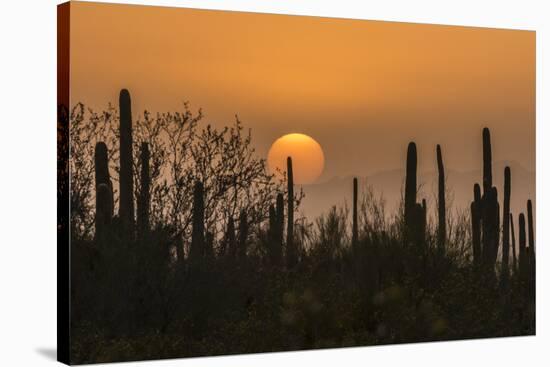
column 28, row 183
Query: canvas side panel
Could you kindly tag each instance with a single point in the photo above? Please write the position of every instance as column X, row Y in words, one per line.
column 63, row 213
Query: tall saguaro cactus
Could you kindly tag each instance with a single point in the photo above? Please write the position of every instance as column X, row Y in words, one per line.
column 196, row 252
column 487, row 161
column 441, row 210
column 104, row 191
column 126, row 210
column 415, row 213
column 410, row 184
column 101, row 164
column 104, row 210
column 144, row 196
column 522, row 244
column 530, row 228
column 279, row 229
column 490, row 224
column 272, row 232
column 280, row 219
column 489, row 209
column 291, row 252
column 355, row 230
column 276, row 230
column 506, row 225
column 272, row 221
column 514, row 258
column 475, row 210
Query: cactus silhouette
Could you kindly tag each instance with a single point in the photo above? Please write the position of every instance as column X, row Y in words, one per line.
column 506, row 225
column 104, row 210
column 275, row 232
column 196, row 252
column 272, row 233
column 530, row 228
column 126, row 209
column 355, row 234
column 497, row 231
column 272, row 221
column 514, row 258
column 522, row 244
column 441, row 230
column 291, row 252
column 490, row 225
column 143, row 199
column 279, row 228
column 530, row 253
column 489, row 208
column 104, row 195
column 101, row 164
column 487, row 161
column 475, row 212
column 415, row 213
column 280, row 209
column 410, row 184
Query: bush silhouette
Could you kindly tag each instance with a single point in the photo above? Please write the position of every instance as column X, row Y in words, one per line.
column 208, row 265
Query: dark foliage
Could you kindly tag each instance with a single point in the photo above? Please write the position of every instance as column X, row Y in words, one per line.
column 190, row 283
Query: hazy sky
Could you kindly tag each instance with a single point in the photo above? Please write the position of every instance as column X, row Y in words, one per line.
column 362, row 89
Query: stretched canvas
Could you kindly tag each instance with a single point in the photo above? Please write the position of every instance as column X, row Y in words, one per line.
column 235, row 182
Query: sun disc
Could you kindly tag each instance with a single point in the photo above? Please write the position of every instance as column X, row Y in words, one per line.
column 308, row 159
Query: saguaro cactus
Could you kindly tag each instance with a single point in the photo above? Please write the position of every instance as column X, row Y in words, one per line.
column 506, row 225
column 272, row 233
column 104, row 210
column 196, row 252
column 126, row 210
column 415, row 213
column 355, row 230
column 522, row 244
column 487, row 161
column 104, row 192
column 143, row 199
column 101, row 163
column 272, row 222
column 490, row 224
column 475, row 209
column 275, row 232
column 490, row 209
column 279, row 229
column 531, row 230
column 280, row 211
column 291, row 252
column 441, row 210
column 514, row 258
column 410, row 184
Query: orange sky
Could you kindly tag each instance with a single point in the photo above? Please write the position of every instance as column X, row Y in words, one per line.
column 362, row 89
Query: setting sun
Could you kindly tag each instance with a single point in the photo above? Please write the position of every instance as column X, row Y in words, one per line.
column 307, row 155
